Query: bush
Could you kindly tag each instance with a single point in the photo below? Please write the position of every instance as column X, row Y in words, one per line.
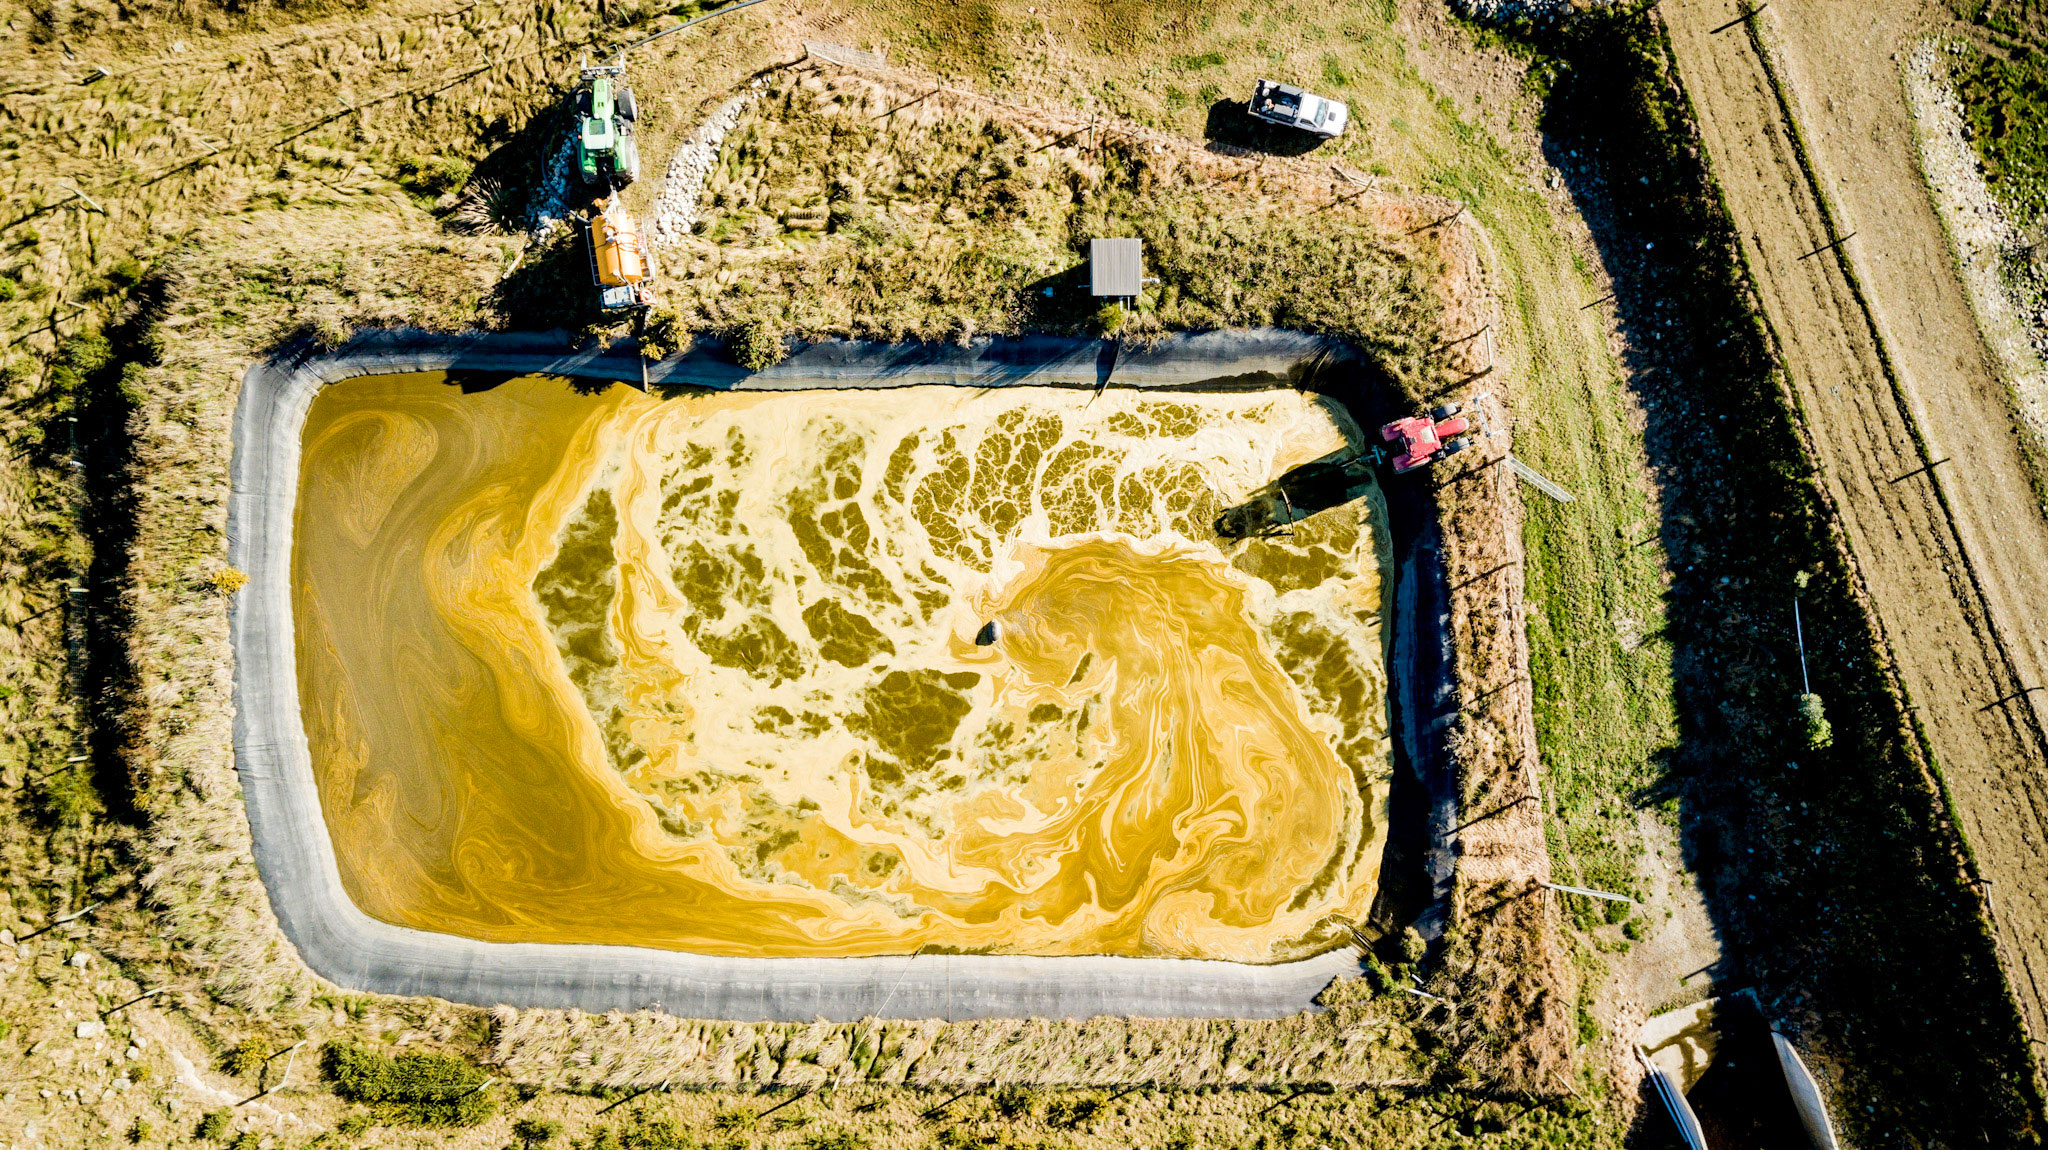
column 248, row 1056
column 1412, row 946
column 1072, row 1109
column 664, row 334
column 411, row 1089
column 758, row 345
column 1819, row 734
column 227, row 581
column 132, row 386
column 1014, row 1101
column 641, row 1132
column 213, row 1127
column 433, row 175
column 125, row 273
column 533, row 1132
column 1110, row 319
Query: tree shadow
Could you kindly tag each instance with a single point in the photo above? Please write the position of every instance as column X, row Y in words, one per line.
column 1232, row 125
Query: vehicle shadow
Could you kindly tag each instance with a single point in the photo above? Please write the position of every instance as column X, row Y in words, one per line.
column 1231, row 125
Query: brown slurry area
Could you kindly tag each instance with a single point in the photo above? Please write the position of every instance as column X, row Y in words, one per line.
column 1890, row 374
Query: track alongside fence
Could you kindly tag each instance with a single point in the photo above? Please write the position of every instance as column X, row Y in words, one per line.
column 1948, row 543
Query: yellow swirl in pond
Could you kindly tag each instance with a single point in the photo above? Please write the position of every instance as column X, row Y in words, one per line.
column 702, row 674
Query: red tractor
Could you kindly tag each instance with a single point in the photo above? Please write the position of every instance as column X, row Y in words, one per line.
column 1424, row 440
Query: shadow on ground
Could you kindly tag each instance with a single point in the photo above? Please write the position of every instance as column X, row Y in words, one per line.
column 1230, row 124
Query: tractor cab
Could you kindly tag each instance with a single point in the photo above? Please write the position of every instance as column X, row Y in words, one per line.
column 606, row 152
column 1424, row 439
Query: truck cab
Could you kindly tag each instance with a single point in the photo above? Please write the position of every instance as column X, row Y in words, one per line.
column 1291, row 107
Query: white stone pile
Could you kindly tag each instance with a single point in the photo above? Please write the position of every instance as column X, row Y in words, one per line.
column 682, row 186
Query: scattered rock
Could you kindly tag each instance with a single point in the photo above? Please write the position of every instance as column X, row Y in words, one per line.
column 91, row 1029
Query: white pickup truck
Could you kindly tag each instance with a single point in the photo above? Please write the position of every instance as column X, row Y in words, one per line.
column 1290, row 107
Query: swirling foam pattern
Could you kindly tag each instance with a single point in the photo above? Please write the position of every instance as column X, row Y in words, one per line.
column 702, row 674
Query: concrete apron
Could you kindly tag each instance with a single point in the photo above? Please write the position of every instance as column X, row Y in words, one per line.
column 347, row 947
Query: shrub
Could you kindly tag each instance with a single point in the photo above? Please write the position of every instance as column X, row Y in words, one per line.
column 835, row 1140
column 488, row 207
column 758, row 345
column 432, row 175
column 411, row 1089
column 132, row 387
column 664, row 334
column 247, row 1056
column 126, row 273
column 246, row 1140
column 641, row 1132
column 213, row 1127
column 1072, row 1109
column 1819, row 734
column 227, row 581
column 1014, row 1101
column 1110, row 319
column 1412, row 946
column 533, row 1132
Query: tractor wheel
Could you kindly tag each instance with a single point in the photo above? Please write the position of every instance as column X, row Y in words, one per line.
column 1445, row 412
column 1457, row 445
column 628, row 109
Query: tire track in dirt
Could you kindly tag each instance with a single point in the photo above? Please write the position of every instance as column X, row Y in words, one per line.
column 1939, row 622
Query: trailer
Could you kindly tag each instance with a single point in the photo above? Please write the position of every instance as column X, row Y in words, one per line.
column 618, row 257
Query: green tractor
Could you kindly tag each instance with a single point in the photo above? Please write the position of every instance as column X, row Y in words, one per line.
column 606, row 153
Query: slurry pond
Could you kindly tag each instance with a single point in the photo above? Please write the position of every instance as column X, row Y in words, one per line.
column 717, row 673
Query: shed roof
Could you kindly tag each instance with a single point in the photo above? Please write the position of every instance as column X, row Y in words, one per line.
column 1115, row 267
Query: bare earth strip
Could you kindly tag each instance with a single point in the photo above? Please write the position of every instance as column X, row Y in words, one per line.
column 1957, row 574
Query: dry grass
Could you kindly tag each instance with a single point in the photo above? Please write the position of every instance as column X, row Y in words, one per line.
column 876, row 208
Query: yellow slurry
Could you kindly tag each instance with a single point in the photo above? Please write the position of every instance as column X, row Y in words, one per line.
column 702, row 674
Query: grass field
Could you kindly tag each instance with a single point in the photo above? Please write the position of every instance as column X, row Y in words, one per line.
column 257, row 182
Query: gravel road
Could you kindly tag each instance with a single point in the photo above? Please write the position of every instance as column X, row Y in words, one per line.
column 1911, row 424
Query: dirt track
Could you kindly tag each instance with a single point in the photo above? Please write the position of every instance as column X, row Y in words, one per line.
column 1954, row 558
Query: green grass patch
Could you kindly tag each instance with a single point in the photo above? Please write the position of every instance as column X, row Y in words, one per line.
column 410, row 1089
